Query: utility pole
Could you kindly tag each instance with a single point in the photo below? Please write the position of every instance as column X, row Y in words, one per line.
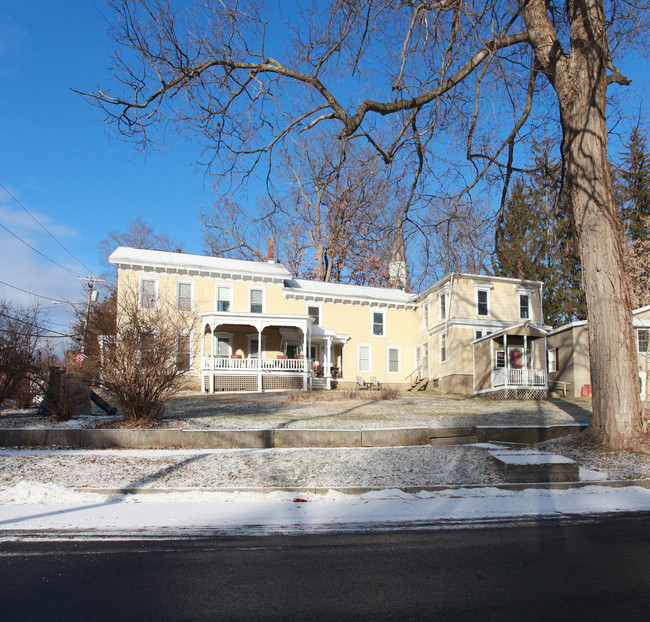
column 92, row 296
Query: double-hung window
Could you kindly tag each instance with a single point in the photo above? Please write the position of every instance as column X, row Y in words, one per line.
column 365, row 357
column 148, row 293
column 642, row 340
column 394, row 359
column 501, row 358
column 443, row 305
column 223, row 298
column 378, row 323
column 482, row 302
column 443, row 347
column 425, row 315
column 183, row 353
column 257, row 300
column 184, row 296
column 314, row 313
column 552, row 360
column 524, row 306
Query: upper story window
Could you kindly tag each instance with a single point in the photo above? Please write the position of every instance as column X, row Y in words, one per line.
column 378, row 323
column 642, row 340
column 425, row 315
column 443, row 305
column 184, row 296
column 257, row 300
column 483, row 302
column 148, row 293
column 223, row 298
column 524, row 306
column 314, row 313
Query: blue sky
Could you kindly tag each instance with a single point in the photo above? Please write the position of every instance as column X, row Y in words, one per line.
column 58, row 161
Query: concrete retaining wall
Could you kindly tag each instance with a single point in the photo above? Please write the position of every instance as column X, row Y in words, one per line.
column 526, row 434
column 260, row 439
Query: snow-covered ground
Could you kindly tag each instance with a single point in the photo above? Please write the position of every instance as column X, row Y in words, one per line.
column 43, row 490
column 329, row 410
column 50, row 491
column 55, row 512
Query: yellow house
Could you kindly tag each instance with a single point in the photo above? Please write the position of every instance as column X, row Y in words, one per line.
column 261, row 329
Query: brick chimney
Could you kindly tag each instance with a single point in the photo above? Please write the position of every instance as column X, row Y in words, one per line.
column 270, row 250
column 518, row 269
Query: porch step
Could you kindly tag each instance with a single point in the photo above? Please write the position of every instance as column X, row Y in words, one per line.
column 419, row 385
column 318, row 384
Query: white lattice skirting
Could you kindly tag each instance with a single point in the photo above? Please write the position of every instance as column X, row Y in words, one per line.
column 516, row 394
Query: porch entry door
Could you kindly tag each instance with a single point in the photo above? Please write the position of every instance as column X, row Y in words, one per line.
column 293, row 350
column 516, row 358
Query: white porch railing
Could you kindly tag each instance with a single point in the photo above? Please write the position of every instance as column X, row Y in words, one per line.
column 519, row 378
column 222, row 363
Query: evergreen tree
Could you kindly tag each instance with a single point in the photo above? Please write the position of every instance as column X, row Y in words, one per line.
column 537, row 231
column 634, row 187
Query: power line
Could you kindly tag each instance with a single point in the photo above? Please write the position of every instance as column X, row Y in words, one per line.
column 56, row 263
column 32, row 293
column 46, row 231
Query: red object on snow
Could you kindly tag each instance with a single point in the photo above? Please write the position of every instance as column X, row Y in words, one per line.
column 299, row 500
column 586, row 391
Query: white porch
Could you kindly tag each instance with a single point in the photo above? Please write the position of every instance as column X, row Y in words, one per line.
column 258, row 352
column 511, row 362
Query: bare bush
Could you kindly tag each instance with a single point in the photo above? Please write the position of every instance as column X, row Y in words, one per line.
column 145, row 362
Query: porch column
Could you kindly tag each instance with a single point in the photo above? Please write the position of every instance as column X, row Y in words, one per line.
column 507, row 357
column 328, row 362
column 305, row 354
column 260, row 384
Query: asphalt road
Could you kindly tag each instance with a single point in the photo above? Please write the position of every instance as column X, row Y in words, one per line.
column 546, row 571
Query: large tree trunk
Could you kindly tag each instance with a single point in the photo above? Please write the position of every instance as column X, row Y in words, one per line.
column 581, row 90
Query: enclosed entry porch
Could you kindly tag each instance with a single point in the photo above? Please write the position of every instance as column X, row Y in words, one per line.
column 511, row 363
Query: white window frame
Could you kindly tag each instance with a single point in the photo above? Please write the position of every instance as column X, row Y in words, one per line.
column 217, row 299
column 155, row 301
column 442, row 347
column 191, row 284
column 487, row 296
column 185, row 333
column 425, row 315
column 399, row 359
column 638, row 340
column 496, row 359
column 369, row 346
column 442, row 304
column 252, row 288
column 315, row 305
column 528, row 306
column 383, row 322
column 249, row 346
column 552, row 357
column 225, row 336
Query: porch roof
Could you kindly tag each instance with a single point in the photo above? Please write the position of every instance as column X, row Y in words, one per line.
column 523, row 329
column 259, row 321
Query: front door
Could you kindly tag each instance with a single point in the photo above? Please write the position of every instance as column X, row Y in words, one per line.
column 516, row 356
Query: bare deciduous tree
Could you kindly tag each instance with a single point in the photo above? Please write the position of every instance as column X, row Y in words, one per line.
column 22, row 351
column 459, row 75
